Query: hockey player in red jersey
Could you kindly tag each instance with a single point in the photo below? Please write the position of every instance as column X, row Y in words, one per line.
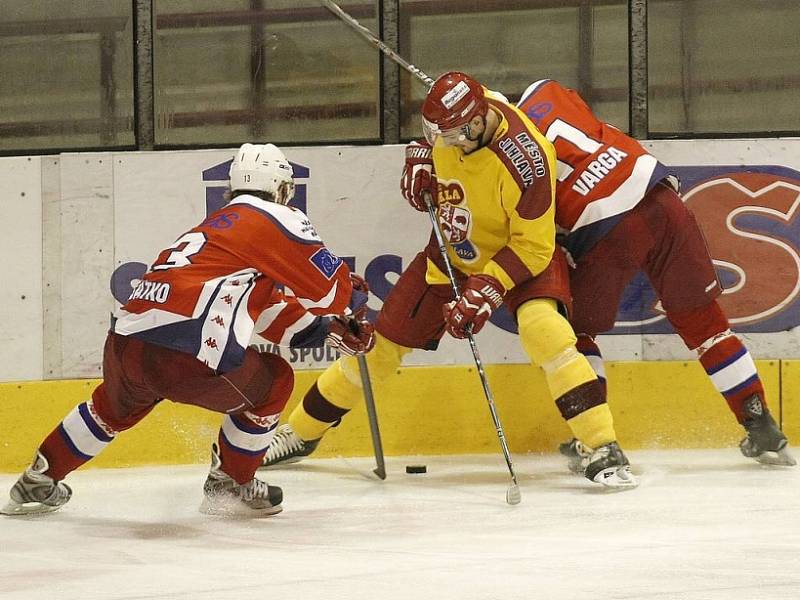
column 619, row 212
column 184, row 334
column 496, row 184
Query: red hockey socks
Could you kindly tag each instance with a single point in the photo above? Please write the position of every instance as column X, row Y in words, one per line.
column 81, row 436
column 732, row 371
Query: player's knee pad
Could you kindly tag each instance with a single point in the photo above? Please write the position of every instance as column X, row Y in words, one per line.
column 340, row 383
column 549, row 342
column 700, row 325
column 112, row 413
column 281, row 388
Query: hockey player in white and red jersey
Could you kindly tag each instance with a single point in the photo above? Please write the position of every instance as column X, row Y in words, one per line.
column 618, row 211
column 184, row 334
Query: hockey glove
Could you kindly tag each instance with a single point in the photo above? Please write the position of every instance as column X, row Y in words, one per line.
column 480, row 296
column 351, row 335
column 418, row 177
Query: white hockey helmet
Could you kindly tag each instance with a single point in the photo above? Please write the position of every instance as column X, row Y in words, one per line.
column 258, row 168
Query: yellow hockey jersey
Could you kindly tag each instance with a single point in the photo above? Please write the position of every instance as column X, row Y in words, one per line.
column 497, row 204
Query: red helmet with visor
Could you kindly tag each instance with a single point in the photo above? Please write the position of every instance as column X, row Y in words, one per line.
column 452, row 102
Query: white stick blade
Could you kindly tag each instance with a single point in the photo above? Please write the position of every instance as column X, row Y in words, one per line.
column 513, row 495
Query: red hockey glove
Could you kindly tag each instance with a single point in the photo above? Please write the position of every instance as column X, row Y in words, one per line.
column 351, row 335
column 480, row 296
column 418, row 177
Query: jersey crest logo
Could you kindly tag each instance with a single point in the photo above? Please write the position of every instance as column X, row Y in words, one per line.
column 456, row 222
column 326, row 262
column 450, row 192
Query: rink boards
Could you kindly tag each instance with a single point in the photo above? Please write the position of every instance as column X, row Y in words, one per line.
column 429, row 410
column 82, row 226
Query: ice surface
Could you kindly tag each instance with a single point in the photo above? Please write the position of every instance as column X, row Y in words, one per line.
column 703, row 525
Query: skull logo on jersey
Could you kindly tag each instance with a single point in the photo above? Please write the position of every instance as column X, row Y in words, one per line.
column 455, row 222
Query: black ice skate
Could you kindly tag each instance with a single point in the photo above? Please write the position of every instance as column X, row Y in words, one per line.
column 609, row 466
column 35, row 492
column 287, row 447
column 225, row 497
column 577, row 454
column 765, row 441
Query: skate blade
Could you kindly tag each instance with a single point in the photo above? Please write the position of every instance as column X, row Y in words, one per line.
column 781, row 458
column 236, row 509
column 619, row 478
column 14, row 509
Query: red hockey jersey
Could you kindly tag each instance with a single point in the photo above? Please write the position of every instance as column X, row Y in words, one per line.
column 602, row 173
column 204, row 293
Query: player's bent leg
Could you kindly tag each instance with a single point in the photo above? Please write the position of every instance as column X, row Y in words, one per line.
column 549, row 342
column 81, row 436
column 576, row 452
column 231, row 488
column 331, row 397
column 733, row 372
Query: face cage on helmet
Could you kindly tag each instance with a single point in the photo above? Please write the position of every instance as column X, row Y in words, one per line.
column 450, row 137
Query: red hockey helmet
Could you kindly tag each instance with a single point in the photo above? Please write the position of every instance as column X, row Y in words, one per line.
column 453, row 101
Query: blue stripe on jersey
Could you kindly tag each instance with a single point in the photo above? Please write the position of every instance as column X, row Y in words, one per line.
column 281, row 226
column 580, row 241
column 184, row 336
column 532, row 89
column 660, row 172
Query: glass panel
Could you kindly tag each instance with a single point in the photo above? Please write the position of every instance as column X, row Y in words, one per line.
column 509, row 44
column 287, row 71
column 723, row 66
column 66, row 75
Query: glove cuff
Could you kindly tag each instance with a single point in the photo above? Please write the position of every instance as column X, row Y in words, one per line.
column 419, row 151
column 488, row 287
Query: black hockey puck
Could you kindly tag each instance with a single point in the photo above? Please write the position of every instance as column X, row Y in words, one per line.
column 416, row 469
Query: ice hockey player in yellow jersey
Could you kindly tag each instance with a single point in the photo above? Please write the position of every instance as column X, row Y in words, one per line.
column 491, row 174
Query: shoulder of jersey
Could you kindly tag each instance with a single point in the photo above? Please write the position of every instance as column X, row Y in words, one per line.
column 535, row 87
column 496, row 95
column 292, row 221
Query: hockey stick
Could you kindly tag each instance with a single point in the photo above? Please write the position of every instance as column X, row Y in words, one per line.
column 370, row 37
column 372, row 416
column 513, row 495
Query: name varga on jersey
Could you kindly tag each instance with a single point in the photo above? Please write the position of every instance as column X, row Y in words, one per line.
column 596, row 170
column 154, row 291
column 521, row 162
